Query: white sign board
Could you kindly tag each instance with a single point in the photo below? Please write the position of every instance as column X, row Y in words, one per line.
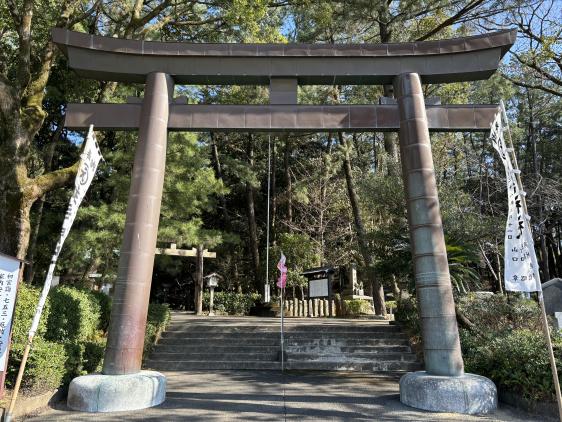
column 318, row 288
column 9, row 273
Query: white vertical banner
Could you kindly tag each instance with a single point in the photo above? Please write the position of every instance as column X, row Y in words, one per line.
column 521, row 272
column 9, row 276
column 89, row 160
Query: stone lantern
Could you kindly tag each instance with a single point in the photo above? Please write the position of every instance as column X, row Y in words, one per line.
column 212, row 282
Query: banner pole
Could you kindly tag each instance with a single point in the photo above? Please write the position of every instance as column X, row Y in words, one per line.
column 8, row 415
column 544, row 318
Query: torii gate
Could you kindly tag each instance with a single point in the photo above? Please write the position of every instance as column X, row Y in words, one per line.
column 200, row 253
column 443, row 386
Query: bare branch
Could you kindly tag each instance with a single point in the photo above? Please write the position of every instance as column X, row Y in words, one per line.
column 451, row 20
column 532, row 86
column 24, row 56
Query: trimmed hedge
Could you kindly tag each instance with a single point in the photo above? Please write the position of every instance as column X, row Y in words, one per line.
column 231, row 303
column 46, row 366
column 70, row 340
column 75, row 315
column 157, row 320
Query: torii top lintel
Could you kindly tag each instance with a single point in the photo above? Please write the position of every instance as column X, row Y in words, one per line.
column 124, row 60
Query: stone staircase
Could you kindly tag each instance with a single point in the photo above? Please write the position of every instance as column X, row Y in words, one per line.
column 222, row 343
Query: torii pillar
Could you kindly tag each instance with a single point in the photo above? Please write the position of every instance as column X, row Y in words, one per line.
column 443, row 386
column 122, row 385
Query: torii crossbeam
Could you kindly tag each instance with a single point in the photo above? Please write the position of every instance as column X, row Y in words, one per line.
column 444, row 386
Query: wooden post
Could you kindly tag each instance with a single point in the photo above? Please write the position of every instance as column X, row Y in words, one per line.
column 199, row 282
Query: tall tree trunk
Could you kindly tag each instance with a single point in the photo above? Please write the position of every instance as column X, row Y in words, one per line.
column 18, row 192
column 252, row 225
column 48, row 161
column 378, row 292
column 215, row 159
column 323, row 194
column 536, row 170
column 30, row 267
column 390, row 138
column 288, row 181
column 21, row 117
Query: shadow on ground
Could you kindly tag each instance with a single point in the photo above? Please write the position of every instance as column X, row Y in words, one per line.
column 273, row 396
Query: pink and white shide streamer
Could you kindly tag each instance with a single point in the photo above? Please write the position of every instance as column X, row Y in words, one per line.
column 89, row 160
column 521, row 273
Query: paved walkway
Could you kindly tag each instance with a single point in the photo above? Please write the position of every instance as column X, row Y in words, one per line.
column 272, row 396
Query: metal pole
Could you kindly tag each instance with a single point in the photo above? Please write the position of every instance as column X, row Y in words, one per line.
column 266, row 295
column 441, row 344
column 282, row 340
column 123, row 354
column 544, row 319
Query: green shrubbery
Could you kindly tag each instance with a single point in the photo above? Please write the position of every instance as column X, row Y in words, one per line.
column 70, row 340
column 156, row 321
column 357, row 307
column 231, row 303
column 74, row 316
column 46, row 366
column 507, row 345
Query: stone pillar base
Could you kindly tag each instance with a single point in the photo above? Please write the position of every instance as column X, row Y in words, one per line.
column 469, row 394
column 114, row 393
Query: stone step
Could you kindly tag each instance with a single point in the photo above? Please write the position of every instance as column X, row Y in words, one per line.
column 212, row 342
column 374, row 366
column 350, row 357
column 275, row 342
column 192, row 343
column 215, row 356
column 192, row 365
column 275, row 329
column 292, row 335
column 304, row 348
column 348, row 342
column 217, row 348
